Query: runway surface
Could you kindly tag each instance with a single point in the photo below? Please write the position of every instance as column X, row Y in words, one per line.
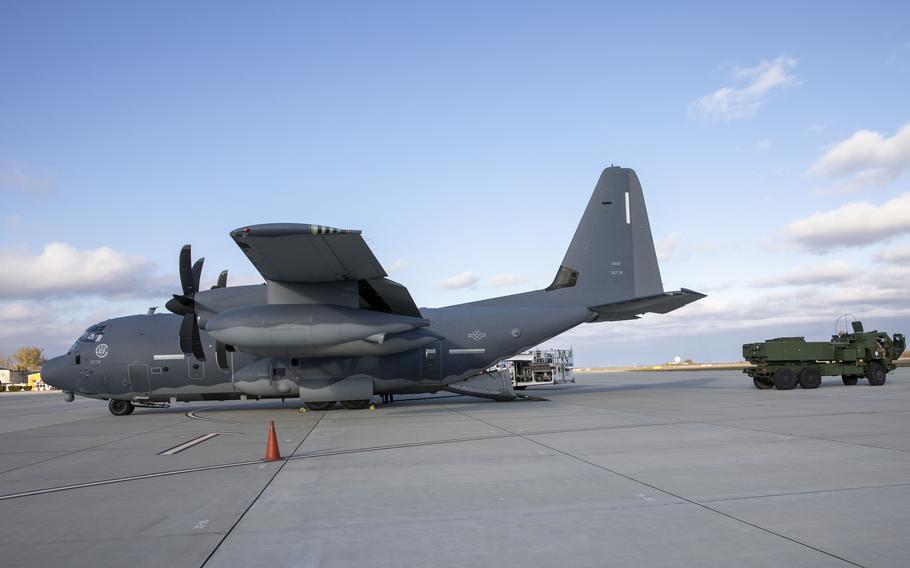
column 624, row 469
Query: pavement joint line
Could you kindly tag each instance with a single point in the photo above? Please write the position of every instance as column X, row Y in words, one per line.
column 819, row 439
column 258, row 495
column 125, row 479
column 95, row 447
column 677, row 496
column 813, row 492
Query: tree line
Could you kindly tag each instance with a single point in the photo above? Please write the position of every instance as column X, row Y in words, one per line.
column 24, row 359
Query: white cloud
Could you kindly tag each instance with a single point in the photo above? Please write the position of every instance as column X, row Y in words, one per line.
column 852, row 225
column 462, row 280
column 16, row 178
column 52, row 324
column 675, row 246
column 892, row 277
column 667, row 246
column 819, row 274
column 507, row 279
column 397, row 266
column 63, row 270
column 729, row 103
column 895, row 254
column 865, row 159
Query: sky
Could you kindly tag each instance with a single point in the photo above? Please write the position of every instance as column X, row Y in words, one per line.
column 464, row 139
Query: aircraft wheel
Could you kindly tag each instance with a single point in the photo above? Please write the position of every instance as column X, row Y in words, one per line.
column 328, row 405
column 762, row 383
column 120, row 407
column 875, row 373
column 356, row 404
column 849, row 380
column 784, row 379
column 810, row 378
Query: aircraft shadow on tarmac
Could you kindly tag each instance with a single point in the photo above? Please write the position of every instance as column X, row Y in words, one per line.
column 531, row 395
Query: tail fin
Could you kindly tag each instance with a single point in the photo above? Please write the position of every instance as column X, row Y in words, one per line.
column 611, row 266
column 611, row 257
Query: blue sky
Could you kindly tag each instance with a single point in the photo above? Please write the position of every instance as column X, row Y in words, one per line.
column 463, row 139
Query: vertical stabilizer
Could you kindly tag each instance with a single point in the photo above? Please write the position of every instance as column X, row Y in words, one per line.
column 611, row 257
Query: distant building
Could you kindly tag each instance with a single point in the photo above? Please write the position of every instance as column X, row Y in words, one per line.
column 13, row 377
column 35, row 381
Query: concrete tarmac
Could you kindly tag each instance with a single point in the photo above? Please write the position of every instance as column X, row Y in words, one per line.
column 619, row 469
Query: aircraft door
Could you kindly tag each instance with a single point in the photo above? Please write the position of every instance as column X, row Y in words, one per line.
column 431, row 363
column 139, row 378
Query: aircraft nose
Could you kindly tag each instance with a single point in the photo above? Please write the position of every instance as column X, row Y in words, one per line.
column 54, row 373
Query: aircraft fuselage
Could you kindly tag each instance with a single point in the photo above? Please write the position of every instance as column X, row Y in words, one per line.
column 138, row 357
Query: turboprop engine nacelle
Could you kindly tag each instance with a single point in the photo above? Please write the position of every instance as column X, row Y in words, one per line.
column 302, row 329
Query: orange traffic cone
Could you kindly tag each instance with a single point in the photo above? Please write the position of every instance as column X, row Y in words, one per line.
column 271, row 448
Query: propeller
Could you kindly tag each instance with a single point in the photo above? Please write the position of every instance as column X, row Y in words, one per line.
column 220, row 348
column 222, row 280
column 185, row 304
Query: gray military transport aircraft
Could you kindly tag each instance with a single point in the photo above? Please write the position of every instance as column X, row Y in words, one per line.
column 328, row 325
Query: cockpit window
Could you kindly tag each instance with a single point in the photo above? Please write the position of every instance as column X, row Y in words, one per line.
column 93, row 334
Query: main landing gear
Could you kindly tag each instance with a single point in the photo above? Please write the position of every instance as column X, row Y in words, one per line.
column 120, row 407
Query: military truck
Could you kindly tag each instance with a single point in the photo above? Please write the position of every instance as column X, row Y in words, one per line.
column 787, row 361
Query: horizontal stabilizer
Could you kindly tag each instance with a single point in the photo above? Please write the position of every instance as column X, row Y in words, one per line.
column 657, row 304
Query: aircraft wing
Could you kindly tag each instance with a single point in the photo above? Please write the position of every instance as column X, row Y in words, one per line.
column 658, row 303
column 304, row 253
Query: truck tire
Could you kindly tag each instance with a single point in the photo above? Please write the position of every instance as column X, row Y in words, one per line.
column 762, row 383
column 784, row 379
column 810, row 378
column 875, row 372
column 849, row 380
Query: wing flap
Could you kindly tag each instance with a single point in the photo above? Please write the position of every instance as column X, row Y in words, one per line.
column 384, row 295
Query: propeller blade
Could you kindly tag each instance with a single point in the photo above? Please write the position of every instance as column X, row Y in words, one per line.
column 197, row 274
column 186, row 333
column 222, row 280
column 198, row 351
column 186, row 271
column 221, row 356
